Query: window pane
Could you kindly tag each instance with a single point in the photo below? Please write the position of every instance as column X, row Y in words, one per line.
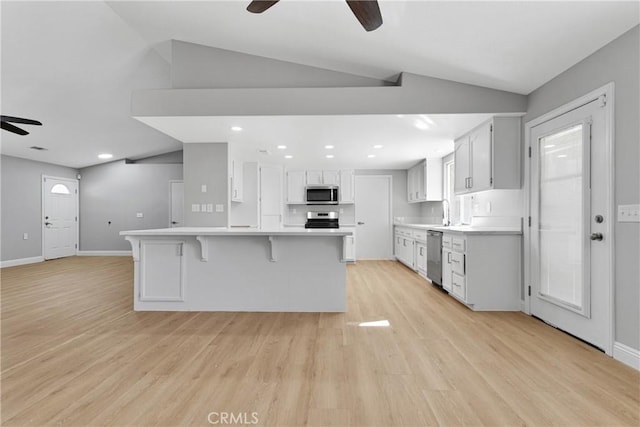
column 561, row 216
column 60, row 189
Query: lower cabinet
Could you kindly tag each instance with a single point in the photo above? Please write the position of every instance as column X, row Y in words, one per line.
column 349, row 248
column 421, row 258
column 162, row 275
column 446, row 263
column 404, row 247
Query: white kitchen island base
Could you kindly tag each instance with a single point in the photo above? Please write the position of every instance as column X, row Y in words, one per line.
column 208, row 269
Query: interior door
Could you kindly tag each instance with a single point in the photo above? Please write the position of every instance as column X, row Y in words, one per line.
column 60, row 210
column 177, row 203
column 570, row 262
column 373, row 217
column 270, row 196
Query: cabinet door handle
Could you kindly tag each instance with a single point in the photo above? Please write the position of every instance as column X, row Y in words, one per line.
column 448, row 257
column 421, row 248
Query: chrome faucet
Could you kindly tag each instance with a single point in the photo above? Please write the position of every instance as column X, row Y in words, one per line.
column 446, row 213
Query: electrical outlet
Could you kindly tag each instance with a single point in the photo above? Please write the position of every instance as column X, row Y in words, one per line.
column 195, row 207
column 203, row 188
column 628, row 213
column 25, row 236
column 139, row 215
column 219, row 208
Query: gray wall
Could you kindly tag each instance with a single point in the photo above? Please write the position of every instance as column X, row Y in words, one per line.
column 401, row 207
column 206, row 164
column 618, row 62
column 22, row 205
column 114, row 192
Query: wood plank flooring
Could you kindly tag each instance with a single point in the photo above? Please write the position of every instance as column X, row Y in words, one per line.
column 75, row 354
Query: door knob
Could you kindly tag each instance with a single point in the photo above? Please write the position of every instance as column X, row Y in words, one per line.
column 360, row 223
column 596, row 236
column 47, row 223
column 174, row 222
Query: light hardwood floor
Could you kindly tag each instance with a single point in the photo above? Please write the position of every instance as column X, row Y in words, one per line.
column 74, row 353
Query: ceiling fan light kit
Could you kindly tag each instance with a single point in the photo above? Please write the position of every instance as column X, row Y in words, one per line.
column 366, row 11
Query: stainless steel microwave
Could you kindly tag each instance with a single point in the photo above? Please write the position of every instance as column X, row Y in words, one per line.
column 322, row 195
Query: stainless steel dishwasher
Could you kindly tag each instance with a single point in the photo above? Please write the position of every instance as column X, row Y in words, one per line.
column 434, row 257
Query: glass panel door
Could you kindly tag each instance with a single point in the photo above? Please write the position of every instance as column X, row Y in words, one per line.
column 563, row 211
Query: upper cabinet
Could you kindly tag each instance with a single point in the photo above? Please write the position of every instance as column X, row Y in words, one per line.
column 297, row 180
column 488, row 157
column 424, row 181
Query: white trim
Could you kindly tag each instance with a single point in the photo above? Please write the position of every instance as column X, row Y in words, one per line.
column 21, row 261
column 42, row 196
column 103, row 253
column 627, row 355
column 608, row 91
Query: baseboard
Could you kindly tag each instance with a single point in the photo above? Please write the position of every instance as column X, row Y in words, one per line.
column 627, row 355
column 21, row 261
column 104, row 253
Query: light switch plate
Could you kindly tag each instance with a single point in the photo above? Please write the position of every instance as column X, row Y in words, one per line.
column 203, row 188
column 203, row 207
column 25, row 236
column 139, row 215
column 219, row 208
column 195, row 207
column 628, row 213
column 210, row 207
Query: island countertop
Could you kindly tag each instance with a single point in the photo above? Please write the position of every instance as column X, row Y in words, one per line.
column 240, row 231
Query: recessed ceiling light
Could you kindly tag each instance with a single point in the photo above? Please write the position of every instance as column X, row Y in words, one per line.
column 439, row 150
column 399, row 116
column 282, row 147
column 329, row 147
column 329, row 156
column 105, row 156
column 288, row 156
column 549, row 145
column 236, row 128
column 371, row 156
column 560, row 156
column 377, row 147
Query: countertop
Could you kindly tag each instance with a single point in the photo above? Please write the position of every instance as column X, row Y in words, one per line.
column 239, row 231
column 479, row 226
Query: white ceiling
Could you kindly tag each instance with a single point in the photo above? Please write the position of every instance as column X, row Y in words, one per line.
column 73, row 65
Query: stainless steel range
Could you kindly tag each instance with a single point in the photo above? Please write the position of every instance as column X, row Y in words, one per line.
column 322, row 220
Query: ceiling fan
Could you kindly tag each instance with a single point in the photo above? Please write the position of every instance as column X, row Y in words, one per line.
column 5, row 123
column 366, row 11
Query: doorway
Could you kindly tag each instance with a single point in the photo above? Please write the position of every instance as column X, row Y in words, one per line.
column 176, row 202
column 59, row 217
column 570, row 241
column 374, row 231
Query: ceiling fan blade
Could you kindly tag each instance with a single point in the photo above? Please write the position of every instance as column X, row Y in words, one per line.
column 20, row 120
column 259, row 6
column 12, row 128
column 367, row 12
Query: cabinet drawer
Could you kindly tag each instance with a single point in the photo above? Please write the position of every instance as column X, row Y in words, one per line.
column 457, row 263
column 457, row 244
column 446, row 241
column 420, row 235
column 458, row 286
column 404, row 232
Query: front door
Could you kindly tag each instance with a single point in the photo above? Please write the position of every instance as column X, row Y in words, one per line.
column 570, row 216
column 373, row 217
column 60, row 210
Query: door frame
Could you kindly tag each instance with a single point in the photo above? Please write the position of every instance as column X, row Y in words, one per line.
column 42, row 201
column 174, row 181
column 355, row 210
column 608, row 92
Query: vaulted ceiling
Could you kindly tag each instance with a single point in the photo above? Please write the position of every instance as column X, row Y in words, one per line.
column 73, row 65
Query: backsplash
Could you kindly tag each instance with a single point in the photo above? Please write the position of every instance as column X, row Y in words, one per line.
column 508, row 203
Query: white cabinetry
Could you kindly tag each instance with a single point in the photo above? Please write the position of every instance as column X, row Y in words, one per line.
column 484, row 271
column 237, row 172
column 446, row 262
column 424, row 181
column 488, row 157
column 349, row 248
column 247, row 213
column 404, row 246
column 162, row 270
column 296, row 182
column 346, row 186
column 420, row 239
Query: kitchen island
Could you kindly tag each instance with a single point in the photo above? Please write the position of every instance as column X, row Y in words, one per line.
column 243, row 269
